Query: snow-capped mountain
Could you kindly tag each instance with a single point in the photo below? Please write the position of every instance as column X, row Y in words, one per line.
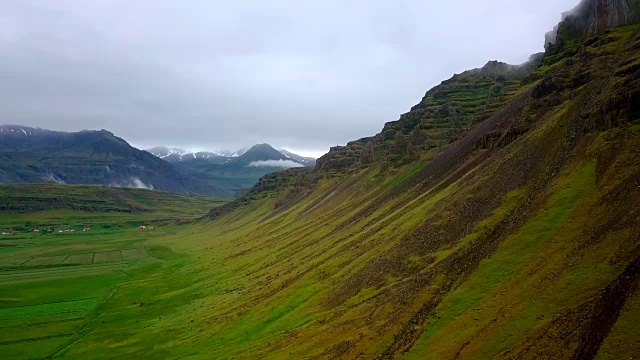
column 17, row 130
column 169, row 154
column 263, row 152
column 31, row 155
column 233, row 170
column 306, row 161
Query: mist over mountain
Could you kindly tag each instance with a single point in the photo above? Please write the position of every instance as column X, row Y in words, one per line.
column 233, row 170
column 31, row 155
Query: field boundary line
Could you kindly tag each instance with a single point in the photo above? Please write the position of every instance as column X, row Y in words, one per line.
column 79, row 331
column 50, row 303
column 36, row 338
column 69, row 343
column 44, row 322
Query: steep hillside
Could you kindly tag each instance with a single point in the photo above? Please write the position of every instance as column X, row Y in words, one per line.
column 443, row 115
column 29, row 155
column 516, row 239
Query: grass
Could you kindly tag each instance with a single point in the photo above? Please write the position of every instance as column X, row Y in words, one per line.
column 29, row 198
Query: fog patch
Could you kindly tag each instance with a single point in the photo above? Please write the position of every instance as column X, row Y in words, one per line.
column 134, row 183
column 551, row 37
column 285, row 164
column 53, row 178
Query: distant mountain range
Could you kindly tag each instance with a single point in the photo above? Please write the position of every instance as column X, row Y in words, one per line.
column 30, row 155
column 262, row 151
column 232, row 170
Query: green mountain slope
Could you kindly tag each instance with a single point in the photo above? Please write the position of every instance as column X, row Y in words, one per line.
column 518, row 240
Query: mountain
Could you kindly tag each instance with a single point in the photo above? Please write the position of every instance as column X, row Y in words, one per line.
column 306, row 161
column 498, row 219
column 261, row 152
column 176, row 154
column 233, row 171
column 29, row 155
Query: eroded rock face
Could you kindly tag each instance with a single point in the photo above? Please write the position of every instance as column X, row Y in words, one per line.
column 606, row 14
column 592, row 17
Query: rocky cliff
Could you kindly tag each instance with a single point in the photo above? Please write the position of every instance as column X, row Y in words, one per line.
column 445, row 113
column 593, row 17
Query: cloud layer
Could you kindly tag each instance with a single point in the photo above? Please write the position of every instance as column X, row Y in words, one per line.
column 287, row 164
column 214, row 74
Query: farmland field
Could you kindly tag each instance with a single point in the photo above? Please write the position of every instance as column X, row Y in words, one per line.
column 52, row 284
column 58, row 288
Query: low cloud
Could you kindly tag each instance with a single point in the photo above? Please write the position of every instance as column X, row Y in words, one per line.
column 286, row 164
column 134, row 183
column 53, row 178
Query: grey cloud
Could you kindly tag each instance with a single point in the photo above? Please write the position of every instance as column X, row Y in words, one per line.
column 212, row 74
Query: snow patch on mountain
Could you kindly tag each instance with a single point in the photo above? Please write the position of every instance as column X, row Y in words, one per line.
column 16, row 130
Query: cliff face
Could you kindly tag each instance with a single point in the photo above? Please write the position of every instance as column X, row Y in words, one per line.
column 593, row 17
column 597, row 16
column 443, row 115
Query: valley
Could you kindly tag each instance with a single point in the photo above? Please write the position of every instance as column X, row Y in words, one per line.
column 499, row 218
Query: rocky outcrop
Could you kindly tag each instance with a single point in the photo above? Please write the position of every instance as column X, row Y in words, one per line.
column 340, row 158
column 597, row 16
column 441, row 117
column 592, row 17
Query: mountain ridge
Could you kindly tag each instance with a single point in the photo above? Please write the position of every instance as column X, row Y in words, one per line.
column 177, row 154
column 31, row 155
column 501, row 229
column 238, row 172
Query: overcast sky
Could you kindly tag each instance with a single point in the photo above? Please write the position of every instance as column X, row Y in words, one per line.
column 206, row 74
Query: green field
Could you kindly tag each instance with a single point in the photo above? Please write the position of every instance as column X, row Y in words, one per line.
column 54, row 283
column 54, row 286
column 29, row 198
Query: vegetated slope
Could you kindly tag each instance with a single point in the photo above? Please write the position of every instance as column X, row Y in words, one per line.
column 233, row 173
column 518, row 239
column 515, row 237
column 29, row 198
column 29, row 155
